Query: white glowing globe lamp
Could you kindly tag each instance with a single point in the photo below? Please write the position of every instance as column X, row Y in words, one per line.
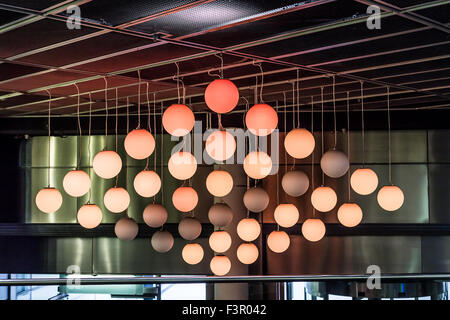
column 364, row 181
column 220, row 241
column 257, row 165
column 390, row 198
column 248, row 229
column 147, row 183
column 192, row 253
column 334, row 163
column 247, row 253
column 182, row 165
column 155, row 215
column 323, row 199
column 256, row 199
column 220, row 265
column 185, row 199
column 76, row 183
column 313, row 229
column 139, row 144
column 220, row 145
column 116, row 199
column 349, row 214
column 89, row 216
column 278, row 241
column 219, row 183
column 49, row 200
column 299, row 143
column 162, row 241
column 286, row 215
column 107, row 164
column 295, row 183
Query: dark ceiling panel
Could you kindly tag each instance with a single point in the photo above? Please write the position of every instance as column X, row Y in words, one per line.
column 87, row 49
column 404, row 3
column 9, row 16
column 9, row 71
column 297, row 20
column 32, row 4
column 116, row 12
column 36, row 35
column 440, row 14
column 209, row 15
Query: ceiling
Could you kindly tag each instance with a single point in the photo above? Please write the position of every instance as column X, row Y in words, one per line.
column 321, row 39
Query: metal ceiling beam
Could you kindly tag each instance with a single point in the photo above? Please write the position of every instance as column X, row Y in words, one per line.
column 411, row 15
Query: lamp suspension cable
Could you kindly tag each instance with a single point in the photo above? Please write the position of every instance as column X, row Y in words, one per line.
column 116, row 130
column 334, row 111
column 321, row 93
column 139, row 100
column 89, row 145
column 154, row 127
column 128, row 114
column 362, row 126
column 312, row 155
column 389, row 135
column 106, row 113
column 293, row 119
column 49, row 131
column 162, row 157
column 261, row 100
column 79, row 126
column 176, row 78
column 348, row 143
column 298, row 97
column 149, row 127
column 285, row 131
column 220, row 56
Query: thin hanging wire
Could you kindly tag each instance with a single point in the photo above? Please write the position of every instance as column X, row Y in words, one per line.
column 220, row 56
column 312, row 155
column 154, row 126
column 321, row 93
column 128, row 114
column 262, row 82
column 139, row 100
column 177, row 79
column 49, row 132
column 285, row 130
column 293, row 119
column 298, row 98
column 106, row 113
column 389, row 135
column 89, row 144
column 362, row 126
column 162, row 158
column 79, row 126
column 149, row 127
column 334, row 112
column 348, row 144
column 116, row 130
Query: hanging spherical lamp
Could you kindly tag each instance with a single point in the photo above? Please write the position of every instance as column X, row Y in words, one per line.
column 261, row 120
column 89, row 216
column 220, row 215
column 295, row 183
column 248, row 229
column 256, row 199
column 221, row 96
column 76, row 183
column 192, row 253
column 247, row 253
column 219, row 183
column 323, row 199
column 220, row 145
column 185, row 199
column 286, row 215
column 155, row 215
column 107, row 164
column 189, row 228
column 220, row 241
column 49, row 200
column 299, row 143
column 257, row 165
column 278, row 241
column 182, row 165
column 126, row 229
column 364, row 181
column 334, row 163
column 313, row 229
column 162, row 241
column 220, row 265
column 390, row 198
column 147, row 183
column 139, row 144
column 116, row 199
column 349, row 214
column 178, row 120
